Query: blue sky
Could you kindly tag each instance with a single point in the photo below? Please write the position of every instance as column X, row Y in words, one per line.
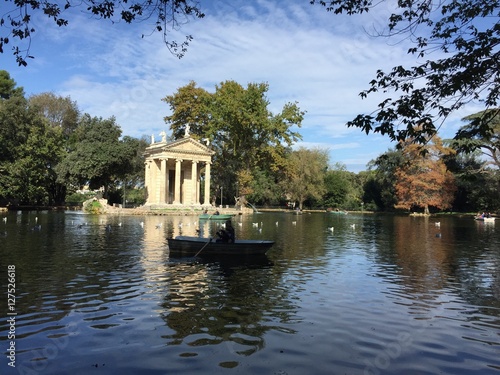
column 306, row 55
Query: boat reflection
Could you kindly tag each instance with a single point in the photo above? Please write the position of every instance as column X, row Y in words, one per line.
column 216, row 301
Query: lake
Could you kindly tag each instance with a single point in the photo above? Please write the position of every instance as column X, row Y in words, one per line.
column 337, row 294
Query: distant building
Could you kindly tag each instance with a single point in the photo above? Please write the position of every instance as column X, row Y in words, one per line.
column 173, row 172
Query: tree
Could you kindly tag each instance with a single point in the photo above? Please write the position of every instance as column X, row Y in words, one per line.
column 14, row 120
column 45, row 147
column 133, row 171
column 246, row 135
column 487, row 143
column 344, row 189
column 189, row 106
column 423, row 180
column 61, row 115
column 131, row 176
column 32, row 173
column 58, row 111
column 263, row 187
column 14, row 130
column 29, row 150
column 467, row 35
column 337, row 187
column 483, row 149
column 247, row 138
column 305, row 175
column 99, row 157
column 8, row 86
column 17, row 18
column 381, row 188
column 476, row 190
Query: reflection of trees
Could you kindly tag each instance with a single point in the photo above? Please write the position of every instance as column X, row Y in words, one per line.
column 296, row 236
column 478, row 265
column 422, row 254
column 70, row 276
column 45, row 269
column 433, row 259
column 211, row 304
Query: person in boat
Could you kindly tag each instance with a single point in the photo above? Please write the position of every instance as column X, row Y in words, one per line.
column 226, row 235
column 216, row 212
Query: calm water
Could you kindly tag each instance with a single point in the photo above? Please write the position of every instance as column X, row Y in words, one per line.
column 393, row 295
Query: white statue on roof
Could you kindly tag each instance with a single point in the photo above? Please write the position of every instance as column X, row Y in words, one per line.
column 163, row 136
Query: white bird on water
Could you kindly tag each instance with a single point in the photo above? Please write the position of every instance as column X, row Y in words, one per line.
column 330, row 229
column 353, row 226
column 294, row 223
column 5, row 219
column 437, row 223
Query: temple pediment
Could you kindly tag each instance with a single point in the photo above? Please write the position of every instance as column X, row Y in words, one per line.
column 182, row 148
column 187, row 145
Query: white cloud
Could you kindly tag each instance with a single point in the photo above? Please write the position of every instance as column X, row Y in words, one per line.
column 307, row 55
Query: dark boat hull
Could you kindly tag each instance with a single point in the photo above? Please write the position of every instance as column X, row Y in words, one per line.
column 190, row 246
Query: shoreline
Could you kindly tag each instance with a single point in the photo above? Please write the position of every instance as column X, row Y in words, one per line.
column 195, row 211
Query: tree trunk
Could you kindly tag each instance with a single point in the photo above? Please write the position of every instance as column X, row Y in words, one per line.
column 426, row 209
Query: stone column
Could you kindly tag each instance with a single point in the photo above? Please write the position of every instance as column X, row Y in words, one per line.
column 147, row 183
column 177, row 191
column 153, row 172
column 167, row 185
column 194, row 180
column 163, row 181
column 206, row 199
column 198, row 187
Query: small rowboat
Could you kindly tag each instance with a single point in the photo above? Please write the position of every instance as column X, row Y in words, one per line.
column 216, row 217
column 189, row 246
column 485, row 219
column 336, row 212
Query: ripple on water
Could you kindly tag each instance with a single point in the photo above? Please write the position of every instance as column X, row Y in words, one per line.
column 355, row 302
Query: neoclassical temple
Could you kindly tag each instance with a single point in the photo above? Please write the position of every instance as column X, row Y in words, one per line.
column 173, row 172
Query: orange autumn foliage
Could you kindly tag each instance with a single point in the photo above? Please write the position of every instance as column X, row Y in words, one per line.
column 424, row 181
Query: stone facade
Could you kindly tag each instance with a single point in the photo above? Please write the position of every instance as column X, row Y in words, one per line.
column 173, row 172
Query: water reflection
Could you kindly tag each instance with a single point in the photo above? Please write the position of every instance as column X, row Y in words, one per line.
column 377, row 294
column 214, row 303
